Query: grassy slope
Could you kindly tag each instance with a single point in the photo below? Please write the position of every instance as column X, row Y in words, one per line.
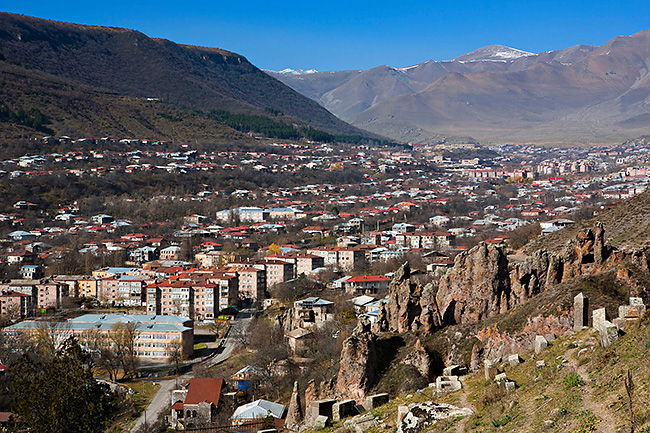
column 626, row 226
column 581, row 389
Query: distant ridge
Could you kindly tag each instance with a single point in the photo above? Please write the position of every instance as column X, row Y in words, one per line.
column 496, row 93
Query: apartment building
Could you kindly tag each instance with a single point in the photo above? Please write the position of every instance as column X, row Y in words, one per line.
column 44, row 293
column 15, row 305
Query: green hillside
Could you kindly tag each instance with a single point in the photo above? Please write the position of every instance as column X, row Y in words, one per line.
column 131, row 64
column 70, row 109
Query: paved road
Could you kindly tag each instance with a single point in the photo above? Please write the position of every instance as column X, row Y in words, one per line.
column 161, row 399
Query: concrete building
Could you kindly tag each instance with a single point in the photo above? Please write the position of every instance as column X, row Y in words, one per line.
column 154, row 334
column 15, row 305
column 278, row 271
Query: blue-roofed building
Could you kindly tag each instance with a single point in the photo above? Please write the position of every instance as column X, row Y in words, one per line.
column 313, row 311
column 154, row 333
column 284, row 213
column 31, row 272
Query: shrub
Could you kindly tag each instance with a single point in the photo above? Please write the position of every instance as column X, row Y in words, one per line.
column 573, row 380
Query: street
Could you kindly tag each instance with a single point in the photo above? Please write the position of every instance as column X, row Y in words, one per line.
column 161, row 399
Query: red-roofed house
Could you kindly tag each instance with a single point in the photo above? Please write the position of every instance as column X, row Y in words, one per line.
column 367, row 284
column 198, row 405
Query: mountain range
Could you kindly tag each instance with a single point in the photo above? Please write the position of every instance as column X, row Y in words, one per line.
column 496, row 93
column 105, row 70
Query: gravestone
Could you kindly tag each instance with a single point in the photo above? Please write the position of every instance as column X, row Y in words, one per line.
column 599, row 315
column 580, row 312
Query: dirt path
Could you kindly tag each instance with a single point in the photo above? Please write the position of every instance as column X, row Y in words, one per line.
column 599, row 407
column 463, row 402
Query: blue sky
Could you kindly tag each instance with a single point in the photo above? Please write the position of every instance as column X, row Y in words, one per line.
column 335, row 34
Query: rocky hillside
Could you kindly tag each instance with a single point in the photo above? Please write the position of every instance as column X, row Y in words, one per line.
column 129, row 63
column 572, row 385
column 497, row 345
column 581, row 93
column 628, row 227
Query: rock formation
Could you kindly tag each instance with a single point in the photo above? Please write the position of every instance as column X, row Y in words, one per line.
column 477, row 286
column 420, row 359
column 294, row 412
column 311, row 394
column 357, row 372
column 410, row 306
column 417, row 417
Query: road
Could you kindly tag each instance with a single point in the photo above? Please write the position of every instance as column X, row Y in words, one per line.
column 161, row 399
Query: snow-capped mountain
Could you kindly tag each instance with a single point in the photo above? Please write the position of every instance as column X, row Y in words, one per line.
column 497, row 91
column 290, row 71
column 493, row 53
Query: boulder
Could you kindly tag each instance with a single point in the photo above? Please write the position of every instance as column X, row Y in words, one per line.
column 608, row 333
column 360, row 424
column 540, row 343
column 321, row 422
column 421, row 416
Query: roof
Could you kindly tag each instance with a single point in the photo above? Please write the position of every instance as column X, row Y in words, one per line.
column 259, row 409
column 298, row 333
column 204, row 389
column 314, row 301
column 368, row 278
column 362, row 300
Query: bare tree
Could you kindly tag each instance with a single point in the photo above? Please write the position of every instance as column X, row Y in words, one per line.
column 49, row 337
column 175, row 355
column 103, row 353
column 122, row 338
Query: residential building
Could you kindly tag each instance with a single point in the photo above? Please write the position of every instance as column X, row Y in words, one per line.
column 15, row 305
column 198, row 405
column 252, row 282
column 170, row 253
column 306, row 263
column 278, row 271
column 313, row 311
column 206, row 300
column 44, row 293
column 367, row 284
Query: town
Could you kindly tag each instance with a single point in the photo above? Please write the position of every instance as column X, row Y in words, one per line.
column 176, row 263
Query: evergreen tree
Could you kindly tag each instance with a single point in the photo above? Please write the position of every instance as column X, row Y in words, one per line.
column 60, row 394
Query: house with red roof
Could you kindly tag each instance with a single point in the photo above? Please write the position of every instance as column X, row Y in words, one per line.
column 367, row 284
column 198, row 405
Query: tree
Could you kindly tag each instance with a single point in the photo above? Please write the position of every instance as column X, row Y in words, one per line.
column 60, row 394
column 175, row 355
column 49, row 337
column 122, row 338
column 102, row 352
